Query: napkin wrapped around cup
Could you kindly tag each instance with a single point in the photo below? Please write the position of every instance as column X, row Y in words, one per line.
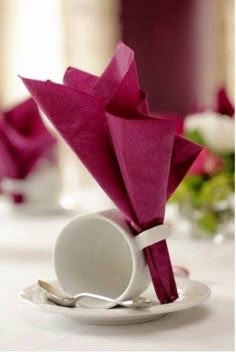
column 24, row 140
column 135, row 157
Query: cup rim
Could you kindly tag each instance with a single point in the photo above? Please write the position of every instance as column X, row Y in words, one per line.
column 101, row 216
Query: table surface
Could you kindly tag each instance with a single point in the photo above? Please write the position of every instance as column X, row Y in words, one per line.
column 26, row 248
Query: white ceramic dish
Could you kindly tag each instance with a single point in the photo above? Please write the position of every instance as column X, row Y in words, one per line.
column 191, row 293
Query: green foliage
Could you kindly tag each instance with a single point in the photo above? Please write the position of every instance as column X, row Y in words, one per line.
column 229, row 162
column 195, row 136
column 208, row 221
column 216, row 189
column 202, row 194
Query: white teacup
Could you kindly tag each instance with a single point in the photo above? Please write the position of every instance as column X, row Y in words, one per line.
column 98, row 253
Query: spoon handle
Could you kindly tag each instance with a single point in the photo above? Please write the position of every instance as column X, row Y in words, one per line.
column 100, row 297
column 138, row 303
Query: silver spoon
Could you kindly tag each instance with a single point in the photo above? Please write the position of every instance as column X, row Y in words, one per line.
column 63, row 299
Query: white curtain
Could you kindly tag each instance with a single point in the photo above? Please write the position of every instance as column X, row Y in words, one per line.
column 229, row 26
column 32, row 44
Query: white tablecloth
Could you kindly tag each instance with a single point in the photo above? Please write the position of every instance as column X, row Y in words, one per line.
column 26, row 247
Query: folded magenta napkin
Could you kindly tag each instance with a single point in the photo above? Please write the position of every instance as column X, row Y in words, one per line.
column 223, row 104
column 135, row 157
column 23, row 140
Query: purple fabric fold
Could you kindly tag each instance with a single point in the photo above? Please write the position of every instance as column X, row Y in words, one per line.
column 223, row 104
column 135, row 157
column 23, row 140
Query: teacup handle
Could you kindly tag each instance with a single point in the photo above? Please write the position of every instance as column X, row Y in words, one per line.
column 153, row 235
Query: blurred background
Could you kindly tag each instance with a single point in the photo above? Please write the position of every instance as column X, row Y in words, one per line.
column 184, row 50
column 184, row 53
column 185, row 59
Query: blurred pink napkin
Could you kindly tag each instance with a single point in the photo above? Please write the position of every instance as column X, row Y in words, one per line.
column 136, row 158
column 223, row 104
column 23, row 141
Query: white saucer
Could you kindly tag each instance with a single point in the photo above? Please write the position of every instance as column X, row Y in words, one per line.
column 191, row 293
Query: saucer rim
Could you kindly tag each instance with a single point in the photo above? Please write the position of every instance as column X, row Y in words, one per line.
column 98, row 316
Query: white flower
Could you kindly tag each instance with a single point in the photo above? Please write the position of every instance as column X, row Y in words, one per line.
column 217, row 130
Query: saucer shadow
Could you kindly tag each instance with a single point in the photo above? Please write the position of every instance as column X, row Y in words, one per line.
column 169, row 321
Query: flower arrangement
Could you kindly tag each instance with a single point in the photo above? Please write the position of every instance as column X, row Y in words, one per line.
column 206, row 196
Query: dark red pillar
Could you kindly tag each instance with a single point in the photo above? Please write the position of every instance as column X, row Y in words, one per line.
column 165, row 36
